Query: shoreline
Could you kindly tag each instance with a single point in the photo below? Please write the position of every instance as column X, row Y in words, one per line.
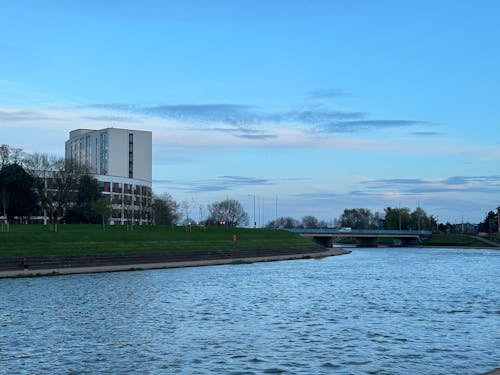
column 55, row 271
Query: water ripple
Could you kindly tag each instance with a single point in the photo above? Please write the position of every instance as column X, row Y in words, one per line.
column 376, row 311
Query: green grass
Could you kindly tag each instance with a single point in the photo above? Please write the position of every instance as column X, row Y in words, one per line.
column 37, row 240
column 454, row 240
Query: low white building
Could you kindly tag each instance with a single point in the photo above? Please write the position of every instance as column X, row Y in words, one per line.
column 121, row 160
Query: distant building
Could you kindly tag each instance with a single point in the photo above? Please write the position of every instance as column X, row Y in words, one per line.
column 121, row 160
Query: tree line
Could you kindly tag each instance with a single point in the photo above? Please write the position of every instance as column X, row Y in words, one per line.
column 362, row 218
column 40, row 184
column 63, row 190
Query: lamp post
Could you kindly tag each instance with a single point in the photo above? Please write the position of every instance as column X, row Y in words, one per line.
column 254, row 222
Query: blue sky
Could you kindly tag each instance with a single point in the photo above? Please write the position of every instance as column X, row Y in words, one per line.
column 318, row 105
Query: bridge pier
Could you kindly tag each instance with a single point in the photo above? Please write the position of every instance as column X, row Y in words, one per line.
column 324, row 241
column 403, row 242
column 366, row 242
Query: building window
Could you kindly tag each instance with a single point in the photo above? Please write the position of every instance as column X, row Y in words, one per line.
column 103, row 160
column 131, row 155
column 88, row 150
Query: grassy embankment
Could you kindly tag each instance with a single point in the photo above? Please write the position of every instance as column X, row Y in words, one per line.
column 458, row 240
column 37, row 240
column 437, row 240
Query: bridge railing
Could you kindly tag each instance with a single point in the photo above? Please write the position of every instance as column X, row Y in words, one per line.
column 378, row 232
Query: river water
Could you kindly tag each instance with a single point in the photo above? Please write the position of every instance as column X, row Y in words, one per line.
column 375, row 311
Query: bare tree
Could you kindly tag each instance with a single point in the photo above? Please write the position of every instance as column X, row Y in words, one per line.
column 228, row 212
column 43, row 167
column 283, row 222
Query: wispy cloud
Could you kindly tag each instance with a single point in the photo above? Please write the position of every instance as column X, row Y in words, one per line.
column 468, row 184
column 233, row 114
column 243, row 119
column 246, row 181
column 360, row 125
column 25, row 115
column 257, row 136
column 317, row 116
column 219, row 184
column 110, row 118
column 327, row 93
column 396, row 181
column 425, row 134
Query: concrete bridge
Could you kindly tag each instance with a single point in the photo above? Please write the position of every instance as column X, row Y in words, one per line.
column 363, row 237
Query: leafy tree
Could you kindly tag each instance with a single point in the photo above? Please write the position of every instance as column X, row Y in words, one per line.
column 17, row 197
column 397, row 218
column 286, row 222
column 88, row 190
column 310, row 222
column 165, row 210
column 83, row 211
column 419, row 220
column 404, row 219
column 358, row 218
column 230, row 212
column 489, row 224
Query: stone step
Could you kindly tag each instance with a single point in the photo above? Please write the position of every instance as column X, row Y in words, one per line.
column 47, row 262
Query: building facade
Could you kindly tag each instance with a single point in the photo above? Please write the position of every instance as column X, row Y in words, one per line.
column 121, row 160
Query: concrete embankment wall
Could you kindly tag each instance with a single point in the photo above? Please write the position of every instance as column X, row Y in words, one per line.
column 49, row 262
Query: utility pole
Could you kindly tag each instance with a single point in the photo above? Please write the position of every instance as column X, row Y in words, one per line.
column 276, row 209
column 254, row 222
column 399, row 212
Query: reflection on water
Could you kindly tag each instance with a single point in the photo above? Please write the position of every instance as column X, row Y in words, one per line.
column 375, row 311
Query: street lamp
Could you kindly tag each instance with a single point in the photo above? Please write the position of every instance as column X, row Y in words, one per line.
column 254, row 222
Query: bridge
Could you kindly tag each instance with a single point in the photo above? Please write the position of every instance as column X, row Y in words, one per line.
column 363, row 237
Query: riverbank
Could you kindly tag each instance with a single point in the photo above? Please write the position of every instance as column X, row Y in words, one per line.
column 84, row 239
column 459, row 240
column 294, row 254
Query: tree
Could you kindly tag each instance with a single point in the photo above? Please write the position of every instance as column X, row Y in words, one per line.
column 83, row 210
column 230, row 212
column 102, row 207
column 489, row 223
column 397, row 218
column 56, row 181
column 165, row 210
column 310, row 222
column 17, row 197
column 45, row 169
column 419, row 220
column 65, row 184
column 404, row 219
column 10, row 155
column 283, row 222
column 358, row 218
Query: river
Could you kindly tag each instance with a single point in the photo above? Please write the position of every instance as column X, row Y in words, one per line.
column 375, row 311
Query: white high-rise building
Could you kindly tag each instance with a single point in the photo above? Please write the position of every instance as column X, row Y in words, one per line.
column 121, row 160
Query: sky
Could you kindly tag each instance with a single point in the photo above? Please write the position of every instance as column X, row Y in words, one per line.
column 303, row 107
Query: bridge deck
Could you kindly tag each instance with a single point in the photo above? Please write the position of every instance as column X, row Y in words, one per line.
column 360, row 233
